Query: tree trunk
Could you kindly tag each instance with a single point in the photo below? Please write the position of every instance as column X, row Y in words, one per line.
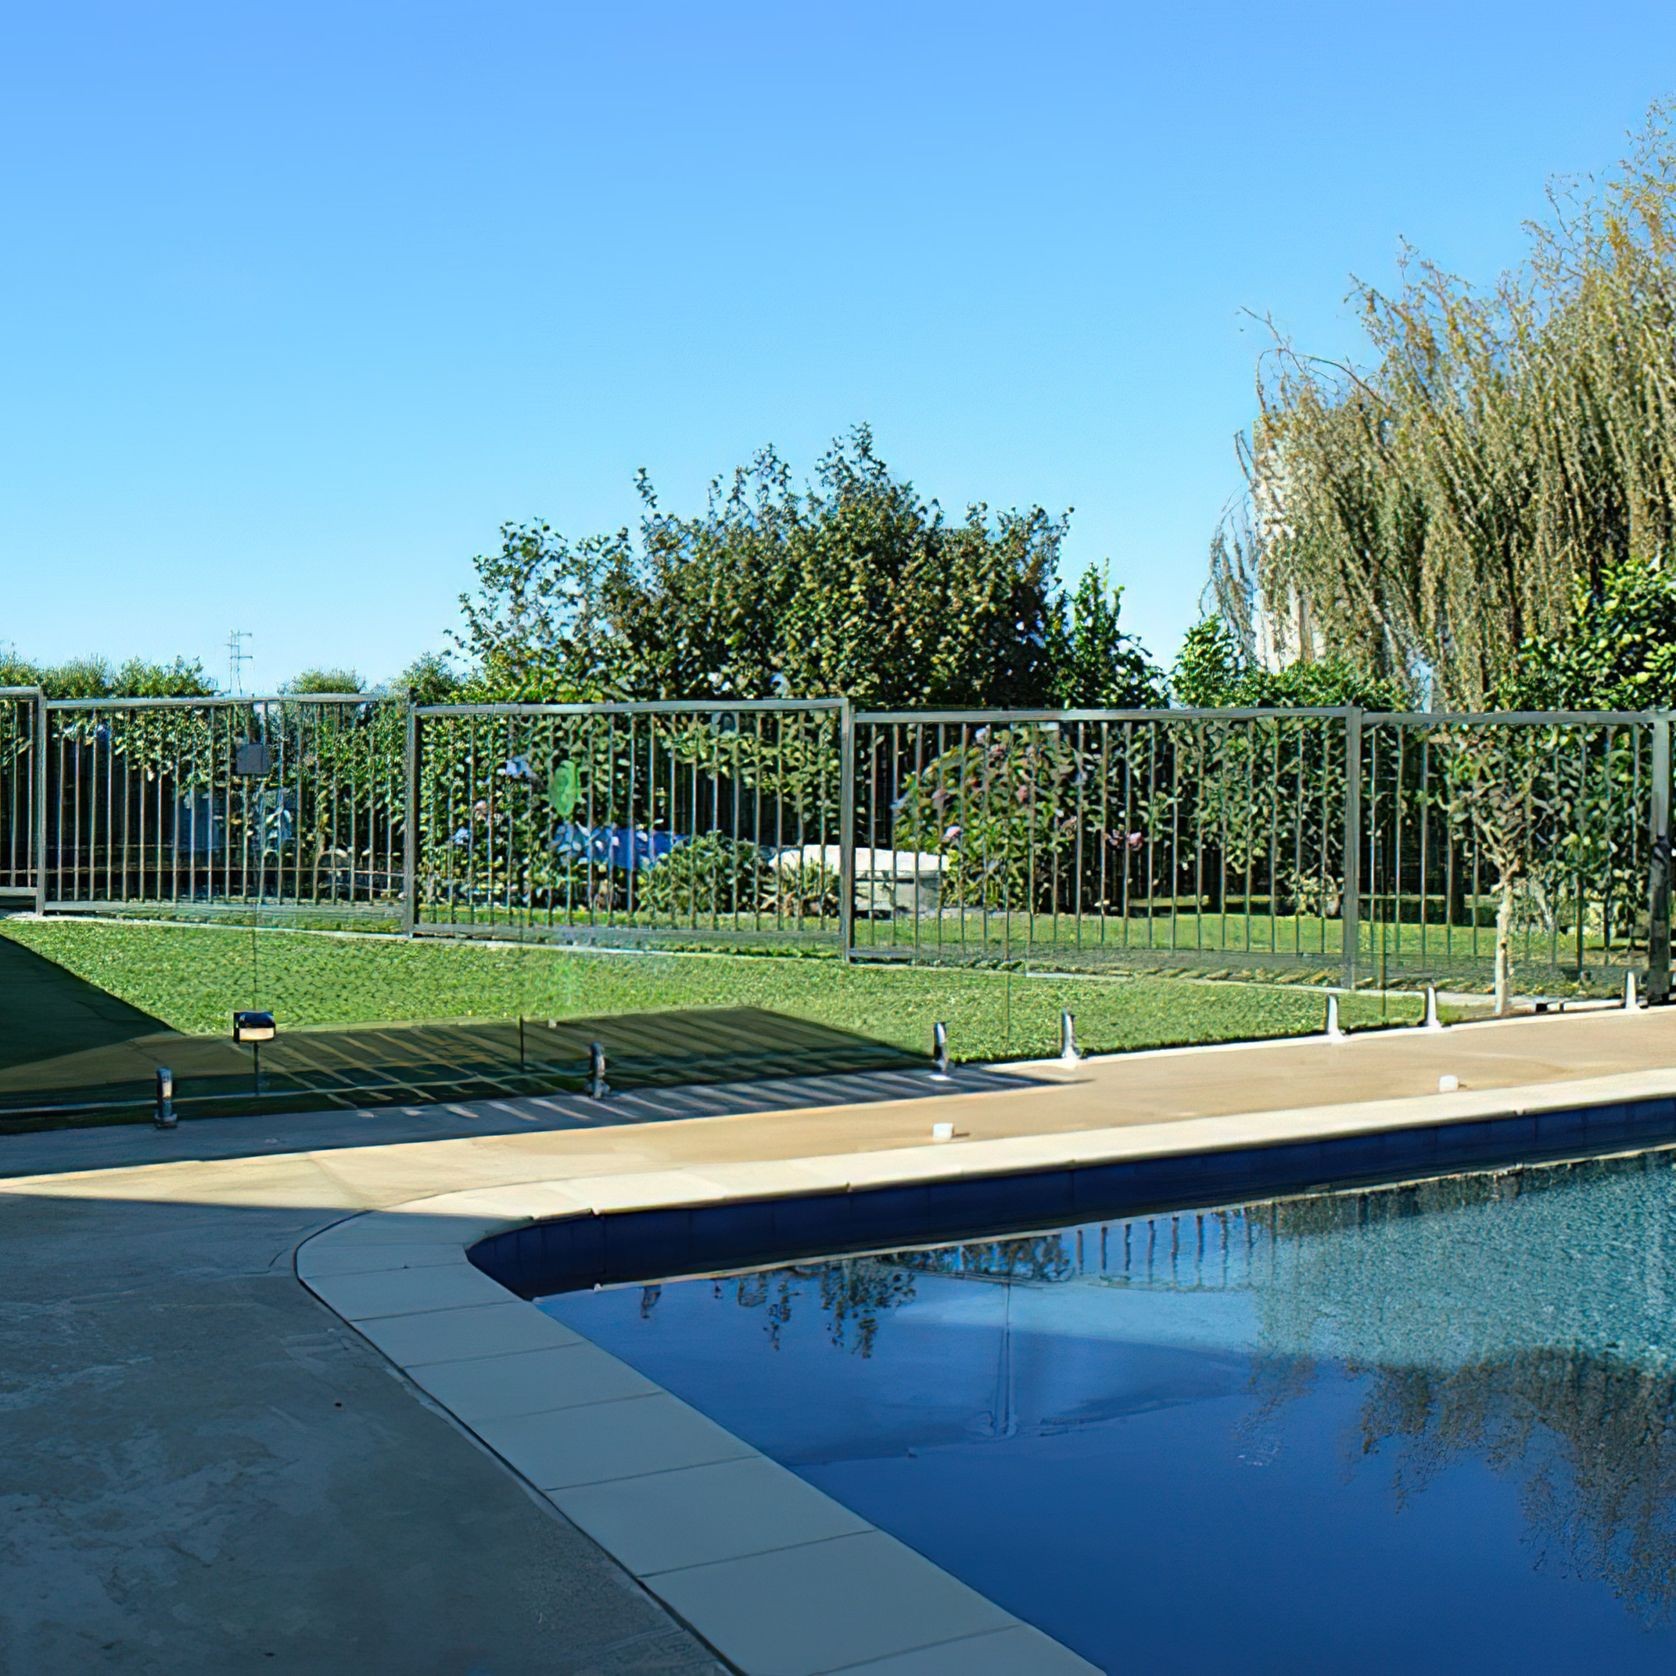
column 1504, row 943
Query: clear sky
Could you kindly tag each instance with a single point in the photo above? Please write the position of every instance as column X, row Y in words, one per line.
column 299, row 302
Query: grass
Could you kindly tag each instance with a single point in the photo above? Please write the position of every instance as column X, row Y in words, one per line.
column 190, row 978
column 1162, row 937
column 1224, row 942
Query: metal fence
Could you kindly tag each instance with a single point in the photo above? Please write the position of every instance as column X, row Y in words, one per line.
column 1536, row 830
column 1090, row 838
column 217, row 804
column 630, row 822
column 1330, row 843
column 1351, row 845
column 20, row 720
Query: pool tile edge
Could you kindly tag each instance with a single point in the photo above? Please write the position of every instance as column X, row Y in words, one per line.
column 715, row 1591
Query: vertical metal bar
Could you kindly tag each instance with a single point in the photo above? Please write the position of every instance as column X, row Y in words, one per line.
column 157, row 870
column 1201, row 763
column 1577, row 835
column 733, row 822
column 1609, row 818
column 1425, row 839
column 1081, row 761
column 1272, row 821
column 1400, row 804
column 1300, row 753
column 675, row 806
column 846, row 830
column 632, row 860
column 39, row 781
column 1106, row 830
column 1658, row 872
column 410, row 821
column 1350, row 907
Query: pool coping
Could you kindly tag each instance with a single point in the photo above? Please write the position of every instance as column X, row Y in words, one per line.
column 762, row 1566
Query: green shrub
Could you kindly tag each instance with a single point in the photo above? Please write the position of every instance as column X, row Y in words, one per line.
column 712, row 873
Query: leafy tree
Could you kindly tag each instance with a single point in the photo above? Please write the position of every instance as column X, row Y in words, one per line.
column 93, row 677
column 536, row 628
column 1213, row 670
column 316, row 681
column 1001, row 810
column 1616, row 650
column 1430, row 512
column 429, row 679
column 1094, row 664
column 852, row 584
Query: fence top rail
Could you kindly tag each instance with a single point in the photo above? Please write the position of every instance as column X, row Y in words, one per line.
column 216, row 701
column 640, row 707
column 1508, row 718
column 1005, row 718
column 20, row 692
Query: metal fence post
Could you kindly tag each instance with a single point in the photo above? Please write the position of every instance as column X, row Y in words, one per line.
column 38, row 835
column 410, row 824
column 846, row 829
column 1658, row 867
column 1350, row 907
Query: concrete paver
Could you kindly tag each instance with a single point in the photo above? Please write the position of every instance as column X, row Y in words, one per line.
column 725, row 1510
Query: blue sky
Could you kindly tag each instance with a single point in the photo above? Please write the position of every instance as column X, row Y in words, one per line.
column 299, row 302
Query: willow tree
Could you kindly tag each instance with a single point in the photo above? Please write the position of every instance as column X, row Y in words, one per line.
column 1430, row 509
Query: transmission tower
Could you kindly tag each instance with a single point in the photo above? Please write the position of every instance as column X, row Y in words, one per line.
column 237, row 658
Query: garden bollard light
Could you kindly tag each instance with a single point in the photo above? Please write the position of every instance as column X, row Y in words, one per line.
column 164, row 1115
column 939, row 1049
column 1068, row 1054
column 598, row 1087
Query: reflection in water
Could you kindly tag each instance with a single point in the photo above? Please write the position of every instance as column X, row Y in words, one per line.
column 1468, row 1382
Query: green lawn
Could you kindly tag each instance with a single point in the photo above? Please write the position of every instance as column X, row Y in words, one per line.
column 191, row 978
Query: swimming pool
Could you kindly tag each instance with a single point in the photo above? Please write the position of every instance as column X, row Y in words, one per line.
column 1426, row 1426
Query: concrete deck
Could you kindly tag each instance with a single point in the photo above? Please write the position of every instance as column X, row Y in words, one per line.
column 206, row 1468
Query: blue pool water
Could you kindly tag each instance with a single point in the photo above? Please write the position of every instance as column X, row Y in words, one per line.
column 1430, row 1427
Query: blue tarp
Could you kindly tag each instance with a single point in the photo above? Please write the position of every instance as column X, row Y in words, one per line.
column 625, row 848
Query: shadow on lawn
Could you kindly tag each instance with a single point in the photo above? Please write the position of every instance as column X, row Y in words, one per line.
column 47, row 1013
column 75, row 1052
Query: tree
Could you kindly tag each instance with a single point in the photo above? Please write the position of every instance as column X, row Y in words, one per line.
column 535, row 626
column 1615, row 651
column 313, row 682
column 429, row 679
column 1213, row 670
column 1429, row 513
column 1093, row 662
column 94, row 677
column 852, row 584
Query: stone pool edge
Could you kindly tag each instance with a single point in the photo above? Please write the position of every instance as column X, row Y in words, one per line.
column 765, row 1568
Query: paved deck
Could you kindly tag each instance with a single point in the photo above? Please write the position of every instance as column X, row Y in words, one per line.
column 208, row 1469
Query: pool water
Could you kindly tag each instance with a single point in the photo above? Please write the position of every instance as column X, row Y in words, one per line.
column 1423, row 1427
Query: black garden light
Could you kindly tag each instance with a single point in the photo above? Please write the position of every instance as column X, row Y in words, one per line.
column 253, row 1028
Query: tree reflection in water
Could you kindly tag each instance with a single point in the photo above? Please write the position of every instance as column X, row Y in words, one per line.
column 1521, row 1318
